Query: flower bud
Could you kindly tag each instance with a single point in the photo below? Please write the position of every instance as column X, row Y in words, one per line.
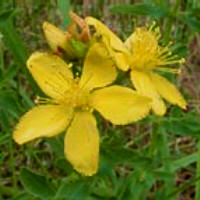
column 73, row 42
column 79, row 28
column 58, row 40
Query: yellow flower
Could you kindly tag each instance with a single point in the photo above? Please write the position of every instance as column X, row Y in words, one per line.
column 58, row 40
column 120, row 54
column 69, row 41
column 147, row 57
column 72, row 101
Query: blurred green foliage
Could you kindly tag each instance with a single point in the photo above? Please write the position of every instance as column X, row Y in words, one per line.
column 138, row 162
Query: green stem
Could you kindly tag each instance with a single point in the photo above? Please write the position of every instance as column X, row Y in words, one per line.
column 17, row 48
column 5, row 190
column 197, row 193
column 159, row 150
column 170, row 22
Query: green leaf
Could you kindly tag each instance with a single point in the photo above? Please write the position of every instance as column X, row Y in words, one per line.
column 73, row 190
column 36, row 184
column 9, row 103
column 23, row 196
column 197, row 188
column 140, row 9
column 117, row 155
column 15, row 44
column 57, row 145
column 64, row 166
column 180, row 123
column 183, row 187
column 7, row 190
column 101, row 188
column 8, row 75
column 64, row 7
column 191, row 20
column 11, row 37
column 5, row 125
column 182, row 162
column 141, row 180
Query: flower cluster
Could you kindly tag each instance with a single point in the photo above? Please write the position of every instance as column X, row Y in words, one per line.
column 71, row 98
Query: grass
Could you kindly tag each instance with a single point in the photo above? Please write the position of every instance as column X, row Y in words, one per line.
column 157, row 158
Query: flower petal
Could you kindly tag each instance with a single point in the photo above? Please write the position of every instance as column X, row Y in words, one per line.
column 51, row 73
column 82, row 143
column 115, row 46
column 120, row 105
column 144, row 86
column 129, row 42
column 58, row 39
column 167, row 90
column 98, row 70
column 42, row 121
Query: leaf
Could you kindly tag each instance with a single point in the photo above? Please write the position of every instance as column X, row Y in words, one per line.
column 140, row 9
column 9, row 103
column 182, row 162
column 7, row 15
column 183, row 187
column 197, row 187
column 36, row 184
column 64, row 166
column 23, row 196
column 73, row 190
column 180, row 123
column 5, row 126
column 116, row 155
column 105, row 184
column 8, row 75
column 57, row 145
column 11, row 37
column 15, row 44
column 7, row 191
column 101, row 188
column 191, row 20
column 64, row 7
column 140, row 182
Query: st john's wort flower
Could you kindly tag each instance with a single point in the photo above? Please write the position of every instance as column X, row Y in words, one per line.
column 144, row 56
column 72, row 102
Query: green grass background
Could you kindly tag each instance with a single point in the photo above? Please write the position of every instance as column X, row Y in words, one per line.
column 157, row 158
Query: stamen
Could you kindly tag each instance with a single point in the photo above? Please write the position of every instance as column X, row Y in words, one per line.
column 77, row 75
column 43, row 100
column 171, row 61
column 169, row 70
column 149, row 54
column 56, row 89
column 152, row 26
column 70, row 65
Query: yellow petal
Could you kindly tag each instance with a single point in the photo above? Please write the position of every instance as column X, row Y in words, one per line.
column 57, row 39
column 129, row 42
column 115, row 46
column 144, row 86
column 120, row 105
column 51, row 73
column 98, row 70
column 42, row 121
column 167, row 90
column 82, row 143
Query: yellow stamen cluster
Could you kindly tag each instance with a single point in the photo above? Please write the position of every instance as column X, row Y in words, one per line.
column 77, row 97
column 149, row 54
